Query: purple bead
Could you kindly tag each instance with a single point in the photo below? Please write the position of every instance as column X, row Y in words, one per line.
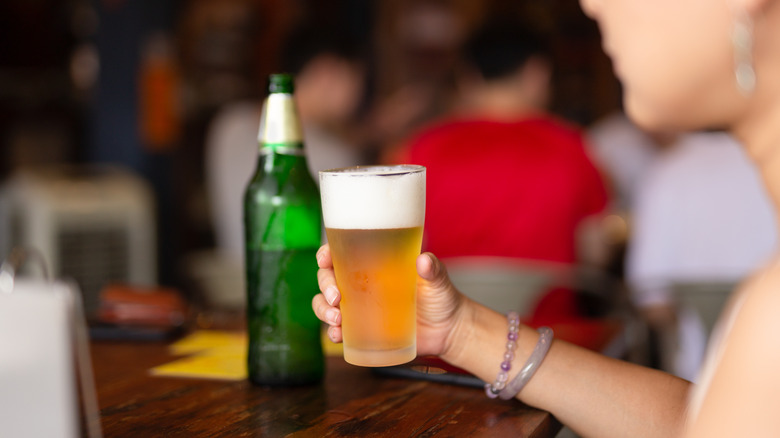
column 512, row 336
column 506, row 365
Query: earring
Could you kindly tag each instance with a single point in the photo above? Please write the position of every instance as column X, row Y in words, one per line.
column 742, row 39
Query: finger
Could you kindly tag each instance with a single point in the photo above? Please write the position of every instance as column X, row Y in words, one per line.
column 324, row 260
column 425, row 268
column 432, row 270
column 325, row 312
column 327, row 282
column 334, row 333
column 430, row 267
column 320, row 306
column 332, row 295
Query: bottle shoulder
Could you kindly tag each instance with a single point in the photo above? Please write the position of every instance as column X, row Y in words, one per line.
column 285, row 175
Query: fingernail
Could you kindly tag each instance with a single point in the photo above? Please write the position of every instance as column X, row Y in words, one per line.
column 330, row 294
column 332, row 316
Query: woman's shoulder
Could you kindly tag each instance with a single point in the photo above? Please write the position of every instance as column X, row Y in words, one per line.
column 762, row 289
column 740, row 378
column 755, row 305
column 750, row 325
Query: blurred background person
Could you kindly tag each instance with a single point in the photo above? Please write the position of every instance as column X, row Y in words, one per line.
column 329, row 85
column 701, row 222
column 506, row 178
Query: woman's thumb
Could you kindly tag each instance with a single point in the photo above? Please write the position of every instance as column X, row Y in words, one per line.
column 430, row 268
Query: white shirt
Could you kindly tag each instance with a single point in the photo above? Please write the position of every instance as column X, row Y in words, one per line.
column 701, row 213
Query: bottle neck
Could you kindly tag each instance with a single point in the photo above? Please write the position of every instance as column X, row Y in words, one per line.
column 280, row 128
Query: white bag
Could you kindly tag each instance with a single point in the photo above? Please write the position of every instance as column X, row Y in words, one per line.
column 43, row 344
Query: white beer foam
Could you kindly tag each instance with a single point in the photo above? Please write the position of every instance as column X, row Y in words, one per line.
column 373, row 197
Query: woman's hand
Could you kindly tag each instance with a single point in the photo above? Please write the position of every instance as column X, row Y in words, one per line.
column 439, row 304
column 326, row 303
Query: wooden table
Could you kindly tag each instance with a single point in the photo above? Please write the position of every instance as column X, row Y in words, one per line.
column 351, row 401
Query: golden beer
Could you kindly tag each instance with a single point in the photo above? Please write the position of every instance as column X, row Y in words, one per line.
column 374, row 221
column 375, row 272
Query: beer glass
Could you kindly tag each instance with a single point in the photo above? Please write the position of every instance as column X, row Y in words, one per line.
column 374, row 223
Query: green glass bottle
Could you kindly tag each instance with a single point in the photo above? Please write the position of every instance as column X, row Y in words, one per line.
column 282, row 224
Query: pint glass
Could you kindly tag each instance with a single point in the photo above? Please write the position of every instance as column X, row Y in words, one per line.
column 374, row 222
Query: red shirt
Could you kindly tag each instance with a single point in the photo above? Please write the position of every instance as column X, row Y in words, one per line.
column 513, row 189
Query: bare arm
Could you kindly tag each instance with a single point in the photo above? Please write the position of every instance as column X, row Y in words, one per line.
column 594, row 395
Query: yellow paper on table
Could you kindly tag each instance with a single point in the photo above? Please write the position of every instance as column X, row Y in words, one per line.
column 204, row 340
column 213, row 354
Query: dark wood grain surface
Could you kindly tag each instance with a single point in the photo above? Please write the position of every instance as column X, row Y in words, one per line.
column 350, row 402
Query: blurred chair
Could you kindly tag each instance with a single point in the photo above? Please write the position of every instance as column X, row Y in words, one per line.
column 216, row 279
column 707, row 298
column 92, row 223
column 679, row 345
column 505, row 284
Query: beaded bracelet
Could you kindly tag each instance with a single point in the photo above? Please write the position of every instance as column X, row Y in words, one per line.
column 493, row 390
column 530, row 367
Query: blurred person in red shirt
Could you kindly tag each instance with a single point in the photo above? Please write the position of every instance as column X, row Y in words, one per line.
column 506, row 178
